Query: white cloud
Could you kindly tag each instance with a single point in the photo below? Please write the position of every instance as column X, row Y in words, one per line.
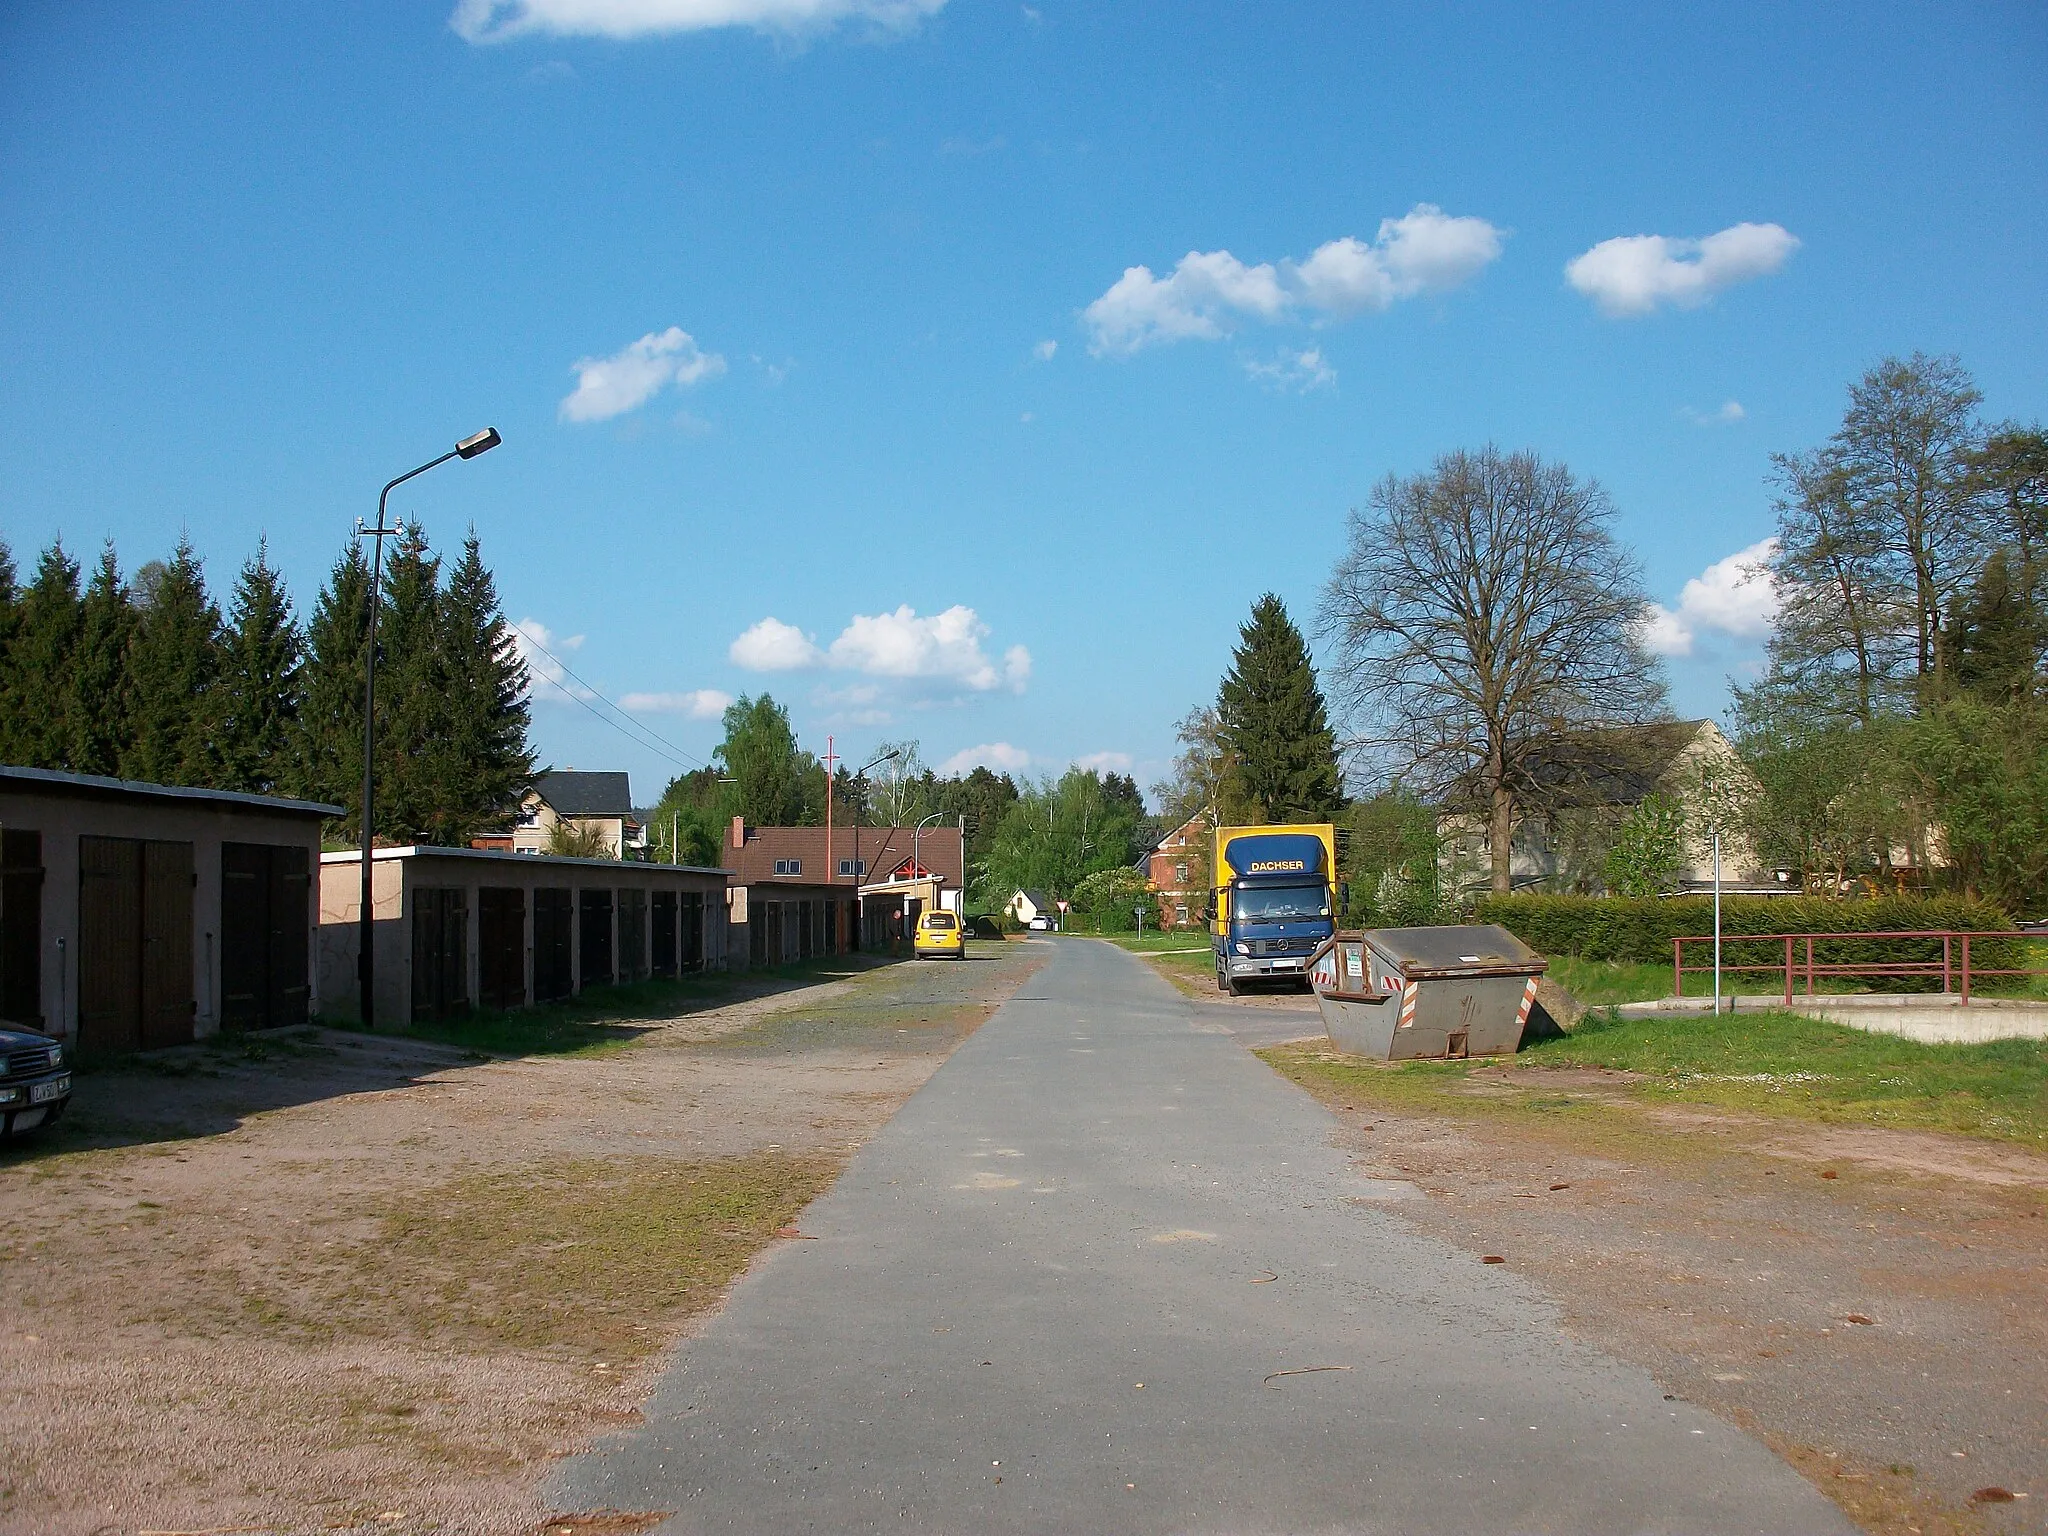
column 1105, row 762
column 943, row 648
column 1208, row 293
column 1735, row 596
column 696, row 704
column 1730, row 412
column 1298, row 372
column 1632, row 274
column 530, row 636
column 997, row 755
column 1044, row 351
column 630, row 377
column 492, row 21
column 773, row 646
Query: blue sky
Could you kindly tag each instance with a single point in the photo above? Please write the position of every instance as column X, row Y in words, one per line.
column 818, row 311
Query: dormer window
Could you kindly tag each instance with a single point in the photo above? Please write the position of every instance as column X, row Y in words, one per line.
column 789, row 866
column 854, row 867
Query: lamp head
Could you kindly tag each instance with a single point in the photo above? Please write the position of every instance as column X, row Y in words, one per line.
column 483, row 442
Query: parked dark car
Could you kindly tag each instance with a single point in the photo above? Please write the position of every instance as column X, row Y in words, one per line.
column 35, row 1082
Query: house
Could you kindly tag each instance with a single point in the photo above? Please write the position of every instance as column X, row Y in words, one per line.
column 137, row 915
column 1026, row 905
column 1178, row 871
column 824, row 891
column 457, row 928
column 1586, row 786
column 598, row 805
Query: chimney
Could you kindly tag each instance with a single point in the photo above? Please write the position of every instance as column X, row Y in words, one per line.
column 739, row 831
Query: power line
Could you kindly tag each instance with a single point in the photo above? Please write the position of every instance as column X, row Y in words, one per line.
column 660, row 745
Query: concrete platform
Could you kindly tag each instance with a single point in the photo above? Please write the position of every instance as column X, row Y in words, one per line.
column 1932, row 1018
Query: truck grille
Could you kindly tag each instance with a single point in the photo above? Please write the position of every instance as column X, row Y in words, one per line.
column 38, row 1058
column 1283, row 946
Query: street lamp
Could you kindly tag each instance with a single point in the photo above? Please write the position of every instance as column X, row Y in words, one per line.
column 859, row 806
column 366, row 961
column 916, row 832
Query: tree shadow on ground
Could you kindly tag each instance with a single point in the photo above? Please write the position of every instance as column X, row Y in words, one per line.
column 215, row 1085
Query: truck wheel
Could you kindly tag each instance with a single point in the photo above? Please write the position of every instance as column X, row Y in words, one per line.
column 1221, row 984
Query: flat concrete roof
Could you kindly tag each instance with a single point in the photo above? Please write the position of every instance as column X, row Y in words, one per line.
column 51, row 780
column 524, row 860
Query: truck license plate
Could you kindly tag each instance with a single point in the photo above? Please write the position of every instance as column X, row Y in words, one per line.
column 55, row 1088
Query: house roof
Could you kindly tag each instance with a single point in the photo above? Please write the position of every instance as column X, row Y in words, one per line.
column 50, row 780
column 1620, row 765
column 569, row 793
column 882, row 849
column 1037, row 898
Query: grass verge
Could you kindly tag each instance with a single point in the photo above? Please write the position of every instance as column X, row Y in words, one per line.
column 1772, row 1063
column 1152, row 942
column 601, row 1256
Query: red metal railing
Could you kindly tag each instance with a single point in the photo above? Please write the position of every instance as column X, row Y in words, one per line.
column 1954, row 967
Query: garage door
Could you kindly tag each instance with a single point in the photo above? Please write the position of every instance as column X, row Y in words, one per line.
column 134, row 944
column 265, row 934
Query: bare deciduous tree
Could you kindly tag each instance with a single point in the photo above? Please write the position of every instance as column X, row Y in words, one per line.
column 1483, row 613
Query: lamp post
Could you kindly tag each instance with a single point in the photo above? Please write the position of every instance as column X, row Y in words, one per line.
column 917, row 864
column 860, row 805
column 366, row 956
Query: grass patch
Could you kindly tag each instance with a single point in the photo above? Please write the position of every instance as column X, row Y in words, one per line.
column 599, row 1256
column 1153, row 942
column 1771, row 1062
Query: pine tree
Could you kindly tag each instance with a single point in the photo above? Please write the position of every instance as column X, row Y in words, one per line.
column 261, row 682
column 1998, row 636
column 100, row 719
column 176, row 660
column 329, row 758
column 487, row 757
column 36, row 687
column 1274, row 722
column 412, row 713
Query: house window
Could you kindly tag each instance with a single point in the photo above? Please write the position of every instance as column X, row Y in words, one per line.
column 853, row 866
column 1180, row 916
column 1180, row 873
column 789, row 866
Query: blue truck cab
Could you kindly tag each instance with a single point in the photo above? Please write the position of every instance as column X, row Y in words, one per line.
column 1273, row 901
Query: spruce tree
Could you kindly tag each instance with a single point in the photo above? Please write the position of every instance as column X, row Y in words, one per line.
column 261, row 680
column 35, row 690
column 100, row 720
column 1998, row 636
column 487, row 759
column 10, row 606
column 411, row 682
column 176, row 660
column 329, row 759
column 1274, row 723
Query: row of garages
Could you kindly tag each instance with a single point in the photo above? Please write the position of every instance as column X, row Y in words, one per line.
column 135, row 916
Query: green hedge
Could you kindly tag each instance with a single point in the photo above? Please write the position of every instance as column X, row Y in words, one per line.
column 1641, row 928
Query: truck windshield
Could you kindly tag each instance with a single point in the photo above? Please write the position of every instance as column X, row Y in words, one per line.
column 1271, row 903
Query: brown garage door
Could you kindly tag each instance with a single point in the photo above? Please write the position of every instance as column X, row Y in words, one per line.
column 134, row 944
column 21, row 928
column 663, row 907
column 501, row 946
column 440, row 952
column 265, row 895
column 554, row 921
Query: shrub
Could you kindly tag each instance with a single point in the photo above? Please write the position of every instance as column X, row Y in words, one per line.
column 1641, row 928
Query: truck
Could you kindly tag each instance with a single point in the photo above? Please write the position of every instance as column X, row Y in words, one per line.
column 1272, row 902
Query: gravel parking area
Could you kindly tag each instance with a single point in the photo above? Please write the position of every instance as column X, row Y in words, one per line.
column 326, row 1281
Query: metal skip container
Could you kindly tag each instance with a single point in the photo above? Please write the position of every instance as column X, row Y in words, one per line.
column 1401, row 994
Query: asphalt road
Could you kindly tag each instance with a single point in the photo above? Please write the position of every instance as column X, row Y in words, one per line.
column 1060, row 1291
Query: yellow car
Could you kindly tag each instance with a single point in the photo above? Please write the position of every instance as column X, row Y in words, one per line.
column 940, row 933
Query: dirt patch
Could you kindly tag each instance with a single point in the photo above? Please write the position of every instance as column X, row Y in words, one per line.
column 1872, row 1303
column 338, row 1282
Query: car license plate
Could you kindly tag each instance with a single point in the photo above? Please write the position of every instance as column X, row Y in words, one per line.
column 55, row 1088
